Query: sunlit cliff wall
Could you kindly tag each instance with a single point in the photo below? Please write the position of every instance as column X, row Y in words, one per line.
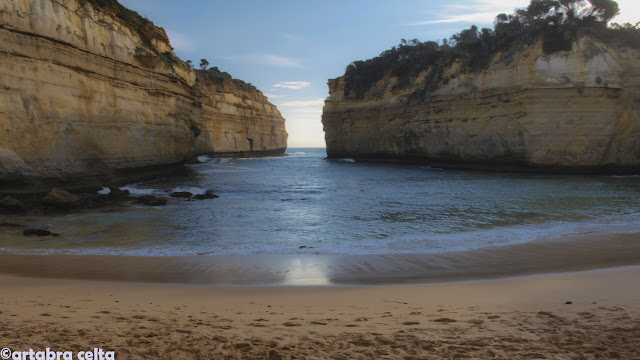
column 573, row 111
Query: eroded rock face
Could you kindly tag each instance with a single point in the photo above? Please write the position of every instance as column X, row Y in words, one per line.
column 85, row 100
column 569, row 111
column 237, row 120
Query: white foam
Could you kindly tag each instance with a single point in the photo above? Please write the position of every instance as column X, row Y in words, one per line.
column 204, row 158
column 136, row 191
column 104, row 191
column 192, row 189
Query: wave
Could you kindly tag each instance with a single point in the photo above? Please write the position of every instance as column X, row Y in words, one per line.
column 137, row 191
column 192, row 189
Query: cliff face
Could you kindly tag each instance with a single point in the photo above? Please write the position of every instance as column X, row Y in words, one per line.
column 569, row 111
column 238, row 120
column 87, row 98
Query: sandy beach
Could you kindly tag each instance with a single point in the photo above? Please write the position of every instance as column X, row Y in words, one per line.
column 580, row 315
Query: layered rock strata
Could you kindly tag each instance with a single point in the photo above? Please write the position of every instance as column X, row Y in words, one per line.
column 575, row 111
column 88, row 97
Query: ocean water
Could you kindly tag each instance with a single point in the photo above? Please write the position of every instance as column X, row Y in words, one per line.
column 303, row 203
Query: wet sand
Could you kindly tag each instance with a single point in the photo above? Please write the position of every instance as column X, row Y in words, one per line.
column 586, row 251
column 454, row 306
column 583, row 315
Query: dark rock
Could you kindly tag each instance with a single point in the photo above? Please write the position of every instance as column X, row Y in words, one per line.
column 193, row 161
column 305, row 247
column 569, row 303
column 11, row 204
column 61, row 199
column 151, row 200
column 118, row 195
column 207, row 195
column 38, row 232
column 182, row 194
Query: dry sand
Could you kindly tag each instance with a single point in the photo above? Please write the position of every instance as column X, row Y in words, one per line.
column 584, row 315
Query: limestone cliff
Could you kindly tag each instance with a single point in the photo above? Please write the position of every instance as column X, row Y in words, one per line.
column 237, row 118
column 92, row 94
column 576, row 110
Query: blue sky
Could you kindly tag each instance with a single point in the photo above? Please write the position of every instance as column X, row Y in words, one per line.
column 289, row 49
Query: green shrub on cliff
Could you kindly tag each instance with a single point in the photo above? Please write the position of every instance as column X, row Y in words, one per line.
column 557, row 22
column 139, row 24
column 216, row 76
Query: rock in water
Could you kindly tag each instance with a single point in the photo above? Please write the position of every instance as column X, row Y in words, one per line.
column 207, row 195
column 118, row 195
column 151, row 200
column 61, row 199
column 11, row 204
column 182, row 194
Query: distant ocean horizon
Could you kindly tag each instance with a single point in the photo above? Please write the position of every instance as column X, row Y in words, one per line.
column 303, row 203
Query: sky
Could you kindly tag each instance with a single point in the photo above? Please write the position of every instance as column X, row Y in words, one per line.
column 289, row 49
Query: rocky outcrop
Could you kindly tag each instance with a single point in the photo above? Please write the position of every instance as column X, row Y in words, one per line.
column 576, row 111
column 90, row 95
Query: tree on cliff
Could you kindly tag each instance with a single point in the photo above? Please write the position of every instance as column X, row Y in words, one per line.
column 204, row 64
column 189, row 63
column 557, row 22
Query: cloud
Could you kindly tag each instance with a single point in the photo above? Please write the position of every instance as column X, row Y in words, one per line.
column 264, row 59
column 294, row 85
column 470, row 18
column 275, row 60
column 180, row 41
column 293, row 38
column 476, row 11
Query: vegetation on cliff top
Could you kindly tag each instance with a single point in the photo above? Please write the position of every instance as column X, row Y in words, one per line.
column 138, row 24
column 215, row 76
column 148, row 31
column 557, row 22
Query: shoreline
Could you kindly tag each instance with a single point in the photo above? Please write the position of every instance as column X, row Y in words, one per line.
column 588, row 251
column 593, row 314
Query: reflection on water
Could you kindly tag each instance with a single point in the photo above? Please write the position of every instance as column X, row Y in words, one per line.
column 303, row 204
column 299, row 272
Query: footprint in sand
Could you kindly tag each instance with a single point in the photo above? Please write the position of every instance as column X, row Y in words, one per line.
column 291, row 324
column 586, row 315
column 258, row 325
column 410, row 323
column 444, row 320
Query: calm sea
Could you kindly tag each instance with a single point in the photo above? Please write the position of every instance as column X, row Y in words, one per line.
column 304, row 204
